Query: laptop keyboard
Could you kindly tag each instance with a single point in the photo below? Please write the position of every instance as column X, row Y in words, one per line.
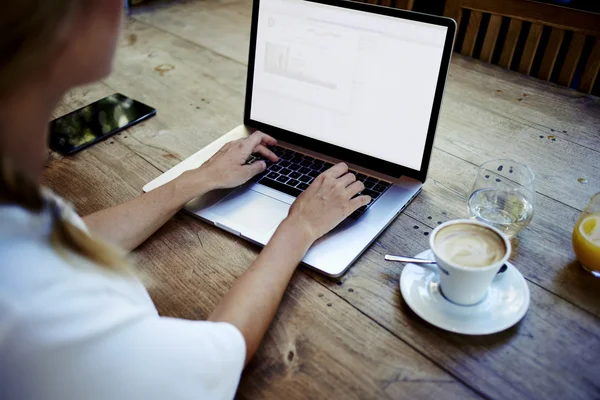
column 294, row 172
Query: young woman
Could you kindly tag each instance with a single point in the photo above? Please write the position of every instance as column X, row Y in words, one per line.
column 75, row 323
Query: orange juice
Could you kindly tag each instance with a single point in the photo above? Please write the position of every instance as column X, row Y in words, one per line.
column 586, row 242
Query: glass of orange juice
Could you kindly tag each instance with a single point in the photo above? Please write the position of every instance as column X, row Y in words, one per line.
column 586, row 237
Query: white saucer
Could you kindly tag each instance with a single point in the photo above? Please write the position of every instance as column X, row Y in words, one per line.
column 505, row 303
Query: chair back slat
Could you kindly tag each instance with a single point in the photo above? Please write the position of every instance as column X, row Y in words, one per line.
column 571, row 60
column 491, row 37
column 551, row 53
column 592, row 69
column 471, row 34
column 508, row 51
column 530, row 49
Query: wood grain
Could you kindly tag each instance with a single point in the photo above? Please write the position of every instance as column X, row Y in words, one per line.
column 550, row 53
column 211, row 20
column 471, row 34
column 544, row 246
column 139, row 71
column 530, row 50
column 510, row 44
column 590, row 73
column 490, row 135
column 299, row 359
column 523, row 362
column 491, row 37
column 317, row 328
column 569, row 66
column 355, row 337
column 477, row 82
column 554, row 110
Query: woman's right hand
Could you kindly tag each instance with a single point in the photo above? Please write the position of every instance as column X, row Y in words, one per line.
column 327, row 202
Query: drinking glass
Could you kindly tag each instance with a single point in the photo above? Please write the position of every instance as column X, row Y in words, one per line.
column 586, row 237
column 503, row 196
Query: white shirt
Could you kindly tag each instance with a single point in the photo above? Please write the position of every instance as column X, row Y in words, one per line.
column 76, row 332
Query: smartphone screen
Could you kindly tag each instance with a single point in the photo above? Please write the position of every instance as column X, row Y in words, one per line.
column 93, row 123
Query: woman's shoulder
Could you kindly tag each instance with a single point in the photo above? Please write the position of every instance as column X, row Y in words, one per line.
column 25, row 249
column 33, row 271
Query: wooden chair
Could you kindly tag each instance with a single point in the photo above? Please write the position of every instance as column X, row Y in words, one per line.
column 546, row 41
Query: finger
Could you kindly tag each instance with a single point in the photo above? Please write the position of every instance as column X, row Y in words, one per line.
column 358, row 202
column 259, row 138
column 266, row 153
column 355, row 188
column 255, row 168
column 347, row 180
column 337, row 170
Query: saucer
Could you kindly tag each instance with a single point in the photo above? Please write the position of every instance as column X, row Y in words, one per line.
column 504, row 304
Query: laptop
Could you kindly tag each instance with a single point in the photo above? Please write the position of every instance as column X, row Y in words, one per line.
column 332, row 81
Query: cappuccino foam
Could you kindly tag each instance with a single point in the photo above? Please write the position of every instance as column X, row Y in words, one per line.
column 469, row 245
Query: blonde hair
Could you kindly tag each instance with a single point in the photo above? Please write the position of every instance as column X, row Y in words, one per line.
column 28, row 39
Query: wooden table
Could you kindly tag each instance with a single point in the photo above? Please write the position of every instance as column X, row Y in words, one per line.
column 355, row 337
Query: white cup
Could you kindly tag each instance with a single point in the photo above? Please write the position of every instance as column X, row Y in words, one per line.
column 466, row 285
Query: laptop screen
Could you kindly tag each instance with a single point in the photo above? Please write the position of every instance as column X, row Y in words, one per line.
column 361, row 81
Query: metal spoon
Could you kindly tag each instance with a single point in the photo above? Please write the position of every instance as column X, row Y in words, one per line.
column 418, row 261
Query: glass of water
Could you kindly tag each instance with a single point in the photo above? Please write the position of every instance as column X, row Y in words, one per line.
column 503, row 196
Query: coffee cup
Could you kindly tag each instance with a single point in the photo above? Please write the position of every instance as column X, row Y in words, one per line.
column 469, row 254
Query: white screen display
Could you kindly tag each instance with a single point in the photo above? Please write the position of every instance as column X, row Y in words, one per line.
column 361, row 81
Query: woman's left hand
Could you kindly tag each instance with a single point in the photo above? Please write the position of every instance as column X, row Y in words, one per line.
column 228, row 168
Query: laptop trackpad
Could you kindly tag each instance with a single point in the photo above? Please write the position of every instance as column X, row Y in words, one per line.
column 252, row 210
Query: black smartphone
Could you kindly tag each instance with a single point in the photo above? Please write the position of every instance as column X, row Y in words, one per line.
column 96, row 122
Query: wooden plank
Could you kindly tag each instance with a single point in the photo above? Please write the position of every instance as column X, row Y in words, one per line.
column 194, row 252
column 592, row 67
column 212, row 19
column 544, row 245
column 550, row 53
column 558, row 164
column 550, row 109
column 530, row 50
column 471, row 34
column 209, row 85
column 508, row 50
column 316, row 337
column 109, row 165
column 322, row 332
column 453, row 10
column 313, row 351
column 136, row 71
column 473, row 84
column 329, row 358
column 543, row 14
column 571, row 60
column 536, row 361
column 553, row 109
column 541, row 108
column 491, row 37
